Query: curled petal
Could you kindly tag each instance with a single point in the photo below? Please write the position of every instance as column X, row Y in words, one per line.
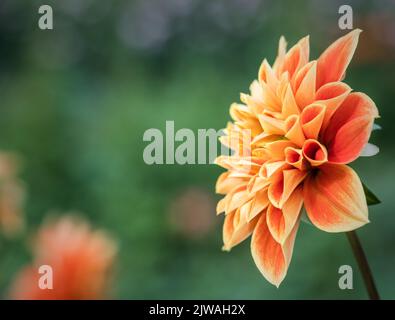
column 271, row 258
column 294, row 130
column 334, row 199
column 314, row 152
column 332, row 64
column 350, row 127
column 282, row 221
column 236, row 229
column 332, row 96
column 311, row 120
column 294, row 157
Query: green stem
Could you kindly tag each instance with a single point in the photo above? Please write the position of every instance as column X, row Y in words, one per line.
column 363, row 264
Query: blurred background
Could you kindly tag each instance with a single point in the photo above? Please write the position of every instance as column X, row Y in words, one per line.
column 76, row 100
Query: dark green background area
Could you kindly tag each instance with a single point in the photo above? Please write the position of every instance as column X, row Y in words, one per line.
column 75, row 102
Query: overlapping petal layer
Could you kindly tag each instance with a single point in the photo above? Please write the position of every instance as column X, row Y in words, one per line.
column 304, row 126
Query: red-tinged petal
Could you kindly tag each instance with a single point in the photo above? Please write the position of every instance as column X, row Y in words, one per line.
column 294, row 130
column 296, row 57
column 305, row 93
column 334, row 199
column 332, row 96
column 311, row 120
column 271, row 258
column 333, row 62
column 281, row 221
column 314, row 152
column 236, row 229
column 294, row 157
column 349, row 128
column 283, row 184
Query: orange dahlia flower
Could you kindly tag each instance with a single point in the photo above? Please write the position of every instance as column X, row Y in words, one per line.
column 305, row 126
column 81, row 260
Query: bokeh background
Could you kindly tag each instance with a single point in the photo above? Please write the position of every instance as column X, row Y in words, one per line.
column 75, row 102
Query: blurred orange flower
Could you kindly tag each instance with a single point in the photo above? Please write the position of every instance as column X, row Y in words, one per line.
column 305, row 126
column 12, row 195
column 81, row 260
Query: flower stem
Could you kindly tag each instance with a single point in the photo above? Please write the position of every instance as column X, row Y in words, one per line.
column 360, row 256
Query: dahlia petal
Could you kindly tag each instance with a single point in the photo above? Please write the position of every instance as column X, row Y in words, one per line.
column 289, row 103
column 296, row 57
column 276, row 149
column 349, row 128
column 333, row 62
column 257, row 183
column 294, row 157
column 305, row 93
column 271, row 258
column 236, row 199
column 256, row 205
column 274, row 167
column 282, row 50
column 221, row 205
column 334, row 199
column 225, row 183
column 267, row 75
column 283, row 184
column 281, row 221
column 271, row 125
column 332, row 96
column 263, row 138
column 255, row 101
column 269, row 98
column 294, row 130
column 314, row 152
column 236, row 229
column 311, row 120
